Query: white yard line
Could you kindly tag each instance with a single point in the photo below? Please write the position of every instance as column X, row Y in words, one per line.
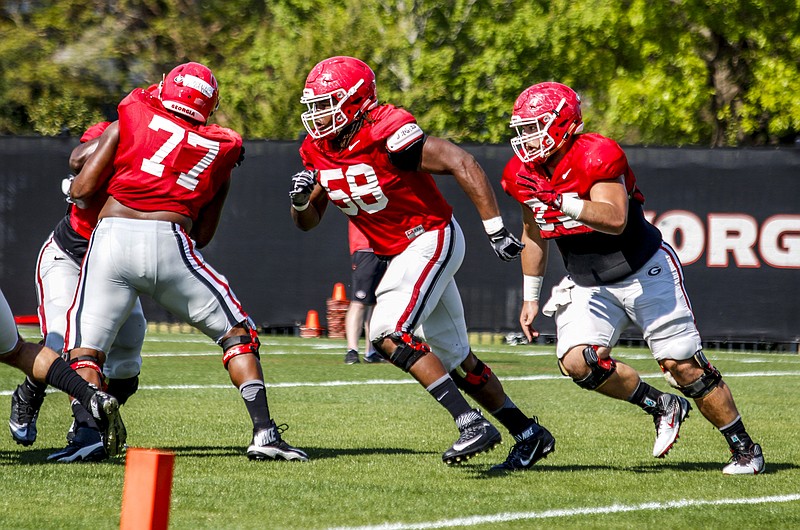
column 572, row 512
column 410, row 381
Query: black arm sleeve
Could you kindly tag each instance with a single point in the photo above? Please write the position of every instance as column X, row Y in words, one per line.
column 409, row 158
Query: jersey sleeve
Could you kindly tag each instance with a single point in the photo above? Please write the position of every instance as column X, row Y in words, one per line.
column 391, row 122
column 95, row 131
column 509, row 179
column 606, row 161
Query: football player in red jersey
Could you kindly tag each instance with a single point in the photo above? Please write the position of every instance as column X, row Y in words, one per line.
column 171, row 174
column 42, row 365
column 57, row 271
column 374, row 162
column 579, row 190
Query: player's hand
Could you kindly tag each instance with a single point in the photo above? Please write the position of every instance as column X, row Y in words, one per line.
column 66, row 183
column 505, row 244
column 302, row 185
column 526, row 316
column 541, row 189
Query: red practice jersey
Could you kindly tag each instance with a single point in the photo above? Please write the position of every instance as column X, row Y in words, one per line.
column 356, row 239
column 389, row 205
column 84, row 221
column 165, row 163
column 591, row 158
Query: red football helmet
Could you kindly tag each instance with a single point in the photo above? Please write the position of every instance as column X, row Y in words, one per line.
column 545, row 117
column 338, row 91
column 190, row 90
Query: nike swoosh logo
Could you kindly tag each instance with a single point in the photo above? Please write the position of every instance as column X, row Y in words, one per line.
column 353, row 145
column 442, row 396
column 527, row 461
column 564, row 176
column 460, row 446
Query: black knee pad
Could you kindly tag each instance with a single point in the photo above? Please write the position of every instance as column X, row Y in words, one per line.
column 410, row 349
column 240, row 345
column 703, row 385
column 474, row 380
column 122, row 389
column 601, row 369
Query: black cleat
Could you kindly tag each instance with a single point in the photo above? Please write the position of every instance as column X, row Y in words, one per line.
column 477, row 435
column 351, row 357
column 86, row 446
column 25, row 407
column 533, row 444
column 105, row 410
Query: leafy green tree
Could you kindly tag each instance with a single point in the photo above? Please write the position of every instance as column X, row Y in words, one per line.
column 679, row 72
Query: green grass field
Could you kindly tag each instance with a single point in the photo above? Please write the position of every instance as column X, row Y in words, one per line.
column 375, row 440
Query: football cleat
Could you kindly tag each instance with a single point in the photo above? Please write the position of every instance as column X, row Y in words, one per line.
column 533, row 444
column 105, row 410
column 86, row 446
column 672, row 411
column 477, row 435
column 24, row 412
column 351, row 357
column 745, row 461
column 267, row 444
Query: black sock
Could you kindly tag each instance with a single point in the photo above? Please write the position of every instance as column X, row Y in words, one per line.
column 445, row 391
column 511, row 417
column 64, row 378
column 30, row 389
column 736, row 435
column 82, row 416
column 254, row 394
column 646, row 397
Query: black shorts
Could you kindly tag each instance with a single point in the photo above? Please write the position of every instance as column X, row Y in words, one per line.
column 368, row 270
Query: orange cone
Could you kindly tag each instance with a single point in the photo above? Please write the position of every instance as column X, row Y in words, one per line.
column 312, row 320
column 147, row 489
column 339, row 293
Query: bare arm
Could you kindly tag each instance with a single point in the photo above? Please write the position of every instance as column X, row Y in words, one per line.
column 534, row 263
column 205, row 226
column 81, row 154
column 607, row 209
column 443, row 157
column 97, row 168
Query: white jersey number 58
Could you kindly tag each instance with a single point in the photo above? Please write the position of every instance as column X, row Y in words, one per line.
column 350, row 196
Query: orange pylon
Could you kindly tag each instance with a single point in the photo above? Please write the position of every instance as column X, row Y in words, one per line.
column 339, row 293
column 312, row 320
column 147, row 489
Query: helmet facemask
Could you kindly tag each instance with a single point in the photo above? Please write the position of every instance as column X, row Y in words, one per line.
column 331, row 105
column 545, row 143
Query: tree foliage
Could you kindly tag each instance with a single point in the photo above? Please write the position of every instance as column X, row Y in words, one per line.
column 679, row 72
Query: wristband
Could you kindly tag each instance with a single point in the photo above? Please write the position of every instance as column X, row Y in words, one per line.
column 571, row 206
column 300, row 207
column 531, row 285
column 493, row 225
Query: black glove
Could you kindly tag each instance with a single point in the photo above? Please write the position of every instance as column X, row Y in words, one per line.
column 505, row 244
column 302, row 185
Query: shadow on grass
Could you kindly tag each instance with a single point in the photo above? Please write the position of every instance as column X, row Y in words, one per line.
column 39, row 456
column 480, row 471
